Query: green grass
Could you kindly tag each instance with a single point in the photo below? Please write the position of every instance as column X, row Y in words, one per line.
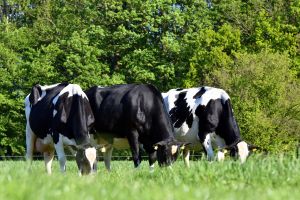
column 261, row 177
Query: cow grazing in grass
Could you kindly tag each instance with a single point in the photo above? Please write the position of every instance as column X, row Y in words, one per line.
column 136, row 113
column 56, row 115
column 205, row 114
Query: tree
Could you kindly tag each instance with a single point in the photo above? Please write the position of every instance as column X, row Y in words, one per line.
column 231, row 44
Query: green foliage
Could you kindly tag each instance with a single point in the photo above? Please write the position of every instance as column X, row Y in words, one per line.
column 265, row 99
column 11, row 128
column 214, row 50
column 249, row 48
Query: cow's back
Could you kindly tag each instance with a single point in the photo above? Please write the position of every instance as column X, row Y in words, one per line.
column 132, row 106
column 107, row 106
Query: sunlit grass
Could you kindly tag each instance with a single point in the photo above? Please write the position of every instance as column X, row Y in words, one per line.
column 261, row 177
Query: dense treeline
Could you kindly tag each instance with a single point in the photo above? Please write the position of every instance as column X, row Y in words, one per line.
column 250, row 48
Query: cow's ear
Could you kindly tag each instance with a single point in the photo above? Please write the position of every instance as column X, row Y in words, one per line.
column 252, row 147
column 183, row 145
column 35, row 94
column 177, row 146
column 224, row 151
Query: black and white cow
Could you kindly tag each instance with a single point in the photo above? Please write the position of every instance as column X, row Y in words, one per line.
column 134, row 112
column 205, row 114
column 56, row 115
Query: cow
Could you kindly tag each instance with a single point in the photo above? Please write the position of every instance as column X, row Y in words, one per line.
column 205, row 114
column 136, row 113
column 59, row 115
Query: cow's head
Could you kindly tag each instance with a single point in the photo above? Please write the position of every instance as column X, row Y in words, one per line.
column 240, row 150
column 168, row 151
column 86, row 159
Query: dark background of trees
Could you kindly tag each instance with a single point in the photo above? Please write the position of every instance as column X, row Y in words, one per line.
column 250, row 48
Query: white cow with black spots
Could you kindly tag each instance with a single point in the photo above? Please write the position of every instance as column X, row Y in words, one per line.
column 59, row 115
column 204, row 117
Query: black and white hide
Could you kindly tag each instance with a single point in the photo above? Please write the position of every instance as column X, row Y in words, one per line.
column 59, row 115
column 204, row 117
column 136, row 114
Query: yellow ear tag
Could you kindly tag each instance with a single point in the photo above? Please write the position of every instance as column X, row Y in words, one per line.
column 254, row 149
column 182, row 147
column 155, row 147
column 225, row 151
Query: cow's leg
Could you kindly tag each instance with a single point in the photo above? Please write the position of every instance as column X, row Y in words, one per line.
column 59, row 148
column 133, row 141
column 151, row 155
column 208, row 147
column 186, row 156
column 152, row 160
column 107, row 156
column 48, row 158
column 220, row 142
column 94, row 143
column 210, row 123
column 30, row 141
column 95, row 166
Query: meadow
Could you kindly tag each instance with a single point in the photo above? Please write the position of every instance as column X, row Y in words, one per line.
column 261, row 177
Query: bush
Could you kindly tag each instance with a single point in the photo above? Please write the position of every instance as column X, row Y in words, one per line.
column 265, row 96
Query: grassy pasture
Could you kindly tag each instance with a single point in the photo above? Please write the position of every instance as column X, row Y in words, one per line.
column 261, row 177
